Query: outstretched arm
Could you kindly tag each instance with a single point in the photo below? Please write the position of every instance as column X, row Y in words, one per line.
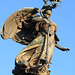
column 61, row 48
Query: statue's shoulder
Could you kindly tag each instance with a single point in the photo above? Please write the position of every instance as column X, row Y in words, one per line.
column 53, row 24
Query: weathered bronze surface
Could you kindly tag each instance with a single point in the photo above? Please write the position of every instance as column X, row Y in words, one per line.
column 38, row 33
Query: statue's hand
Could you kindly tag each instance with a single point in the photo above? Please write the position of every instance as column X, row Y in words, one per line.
column 67, row 49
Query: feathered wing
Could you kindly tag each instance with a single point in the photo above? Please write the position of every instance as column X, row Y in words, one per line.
column 19, row 26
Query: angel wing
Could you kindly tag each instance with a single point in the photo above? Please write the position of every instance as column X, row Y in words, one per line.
column 19, row 26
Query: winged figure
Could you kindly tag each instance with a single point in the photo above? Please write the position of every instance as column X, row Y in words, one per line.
column 27, row 28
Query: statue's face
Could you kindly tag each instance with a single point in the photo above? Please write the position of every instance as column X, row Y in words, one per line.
column 48, row 13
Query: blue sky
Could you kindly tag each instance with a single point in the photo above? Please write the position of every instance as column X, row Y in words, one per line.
column 63, row 63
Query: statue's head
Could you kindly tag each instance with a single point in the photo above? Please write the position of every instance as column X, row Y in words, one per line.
column 48, row 13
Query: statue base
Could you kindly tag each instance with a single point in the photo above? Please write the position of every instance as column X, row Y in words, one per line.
column 23, row 70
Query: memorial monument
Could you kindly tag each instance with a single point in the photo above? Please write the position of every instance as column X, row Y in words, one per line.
column 38, row 32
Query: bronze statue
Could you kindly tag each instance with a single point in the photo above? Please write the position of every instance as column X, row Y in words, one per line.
column 38, row 33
